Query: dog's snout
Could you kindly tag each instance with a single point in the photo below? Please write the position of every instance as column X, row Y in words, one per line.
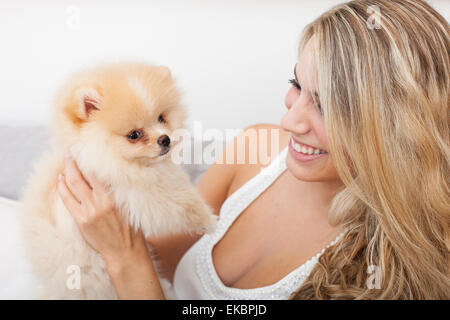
column 164, row 141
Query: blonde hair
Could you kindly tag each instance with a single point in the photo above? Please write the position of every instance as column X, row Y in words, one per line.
column 384, row 92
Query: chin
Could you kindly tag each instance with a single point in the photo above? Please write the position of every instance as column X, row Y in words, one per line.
column 310, row 172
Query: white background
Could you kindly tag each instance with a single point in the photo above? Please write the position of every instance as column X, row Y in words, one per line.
column 232, row 58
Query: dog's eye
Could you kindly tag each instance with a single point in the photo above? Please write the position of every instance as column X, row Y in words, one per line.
column 135, row 135
column 161, row 118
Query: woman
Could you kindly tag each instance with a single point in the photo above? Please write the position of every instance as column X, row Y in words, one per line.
column 366, row 216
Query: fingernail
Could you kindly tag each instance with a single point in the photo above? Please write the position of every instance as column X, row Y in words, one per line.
column 67, row 155
column 60, row 177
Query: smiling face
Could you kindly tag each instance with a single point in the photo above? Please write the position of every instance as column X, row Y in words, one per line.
column 308, row 158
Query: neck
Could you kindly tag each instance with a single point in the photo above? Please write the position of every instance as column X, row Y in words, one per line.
column 325, row 191
column 317, row 195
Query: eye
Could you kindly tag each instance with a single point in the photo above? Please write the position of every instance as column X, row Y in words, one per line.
column 161, row 118
column 135, row 135
column 295, row 84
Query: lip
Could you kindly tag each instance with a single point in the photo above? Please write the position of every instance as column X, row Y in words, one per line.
column 301, row 156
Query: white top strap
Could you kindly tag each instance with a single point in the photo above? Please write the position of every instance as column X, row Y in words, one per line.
column 196, row 277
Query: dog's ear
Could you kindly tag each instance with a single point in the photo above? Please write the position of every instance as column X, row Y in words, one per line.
column 89, row 100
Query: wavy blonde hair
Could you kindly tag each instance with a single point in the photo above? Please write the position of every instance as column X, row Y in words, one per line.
column 385, row 97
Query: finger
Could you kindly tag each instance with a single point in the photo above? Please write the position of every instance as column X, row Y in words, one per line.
column 76, row 182
column 96, row 184
column 134, row 233
column 70, row 202
column 127, row 227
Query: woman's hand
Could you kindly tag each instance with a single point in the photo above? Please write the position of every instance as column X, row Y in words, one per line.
column 124, row 250
column 93, row 209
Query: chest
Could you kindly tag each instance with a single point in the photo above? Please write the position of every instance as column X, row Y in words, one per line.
column 269, row 239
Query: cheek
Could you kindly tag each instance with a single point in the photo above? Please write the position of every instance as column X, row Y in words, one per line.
column 323, row 139
column 127, row 150
column 321, row 132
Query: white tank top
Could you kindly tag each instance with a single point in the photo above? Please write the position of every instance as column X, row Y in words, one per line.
column 195, row 276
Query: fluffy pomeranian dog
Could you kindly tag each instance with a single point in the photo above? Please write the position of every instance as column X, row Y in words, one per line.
column 116, row 122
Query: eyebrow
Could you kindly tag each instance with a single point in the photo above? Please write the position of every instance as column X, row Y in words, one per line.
column 296, row 79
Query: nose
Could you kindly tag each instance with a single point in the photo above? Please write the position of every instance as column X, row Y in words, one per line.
column 297, row 118
column 164, row 141
column 290, row 97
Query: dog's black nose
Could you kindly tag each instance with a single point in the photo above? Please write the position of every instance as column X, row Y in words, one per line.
column 164, row 141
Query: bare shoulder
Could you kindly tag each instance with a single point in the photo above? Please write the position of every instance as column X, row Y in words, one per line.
column 250, row 150
column 224, row 176
column 271, row 140
column 255, row 148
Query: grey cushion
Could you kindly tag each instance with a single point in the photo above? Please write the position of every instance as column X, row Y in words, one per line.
column 20, row 146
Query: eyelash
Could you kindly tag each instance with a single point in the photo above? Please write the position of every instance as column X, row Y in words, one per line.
column 297, row 86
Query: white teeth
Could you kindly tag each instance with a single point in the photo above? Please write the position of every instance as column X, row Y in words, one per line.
column 305, row 150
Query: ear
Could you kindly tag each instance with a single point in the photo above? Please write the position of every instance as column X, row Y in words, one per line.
column 89, row 100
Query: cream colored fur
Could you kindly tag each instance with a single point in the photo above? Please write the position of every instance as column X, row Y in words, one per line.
column 153, row 192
